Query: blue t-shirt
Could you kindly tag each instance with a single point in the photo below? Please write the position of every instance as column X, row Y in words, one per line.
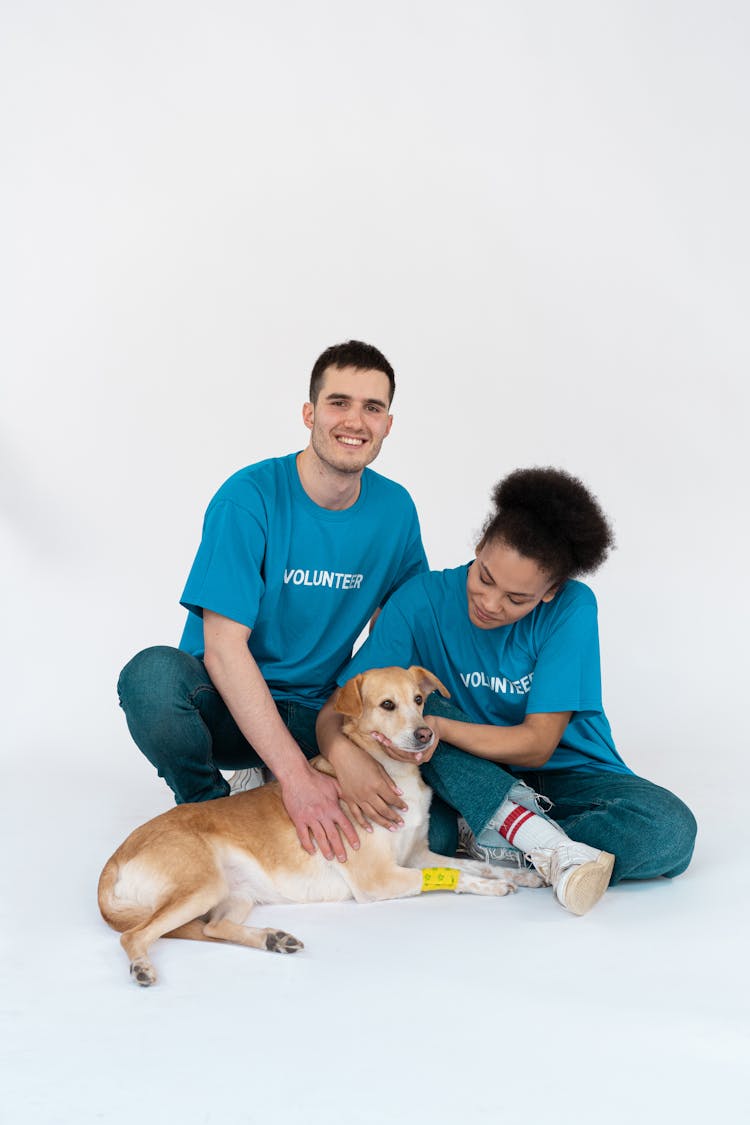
column 548, row 661
column 304, row 579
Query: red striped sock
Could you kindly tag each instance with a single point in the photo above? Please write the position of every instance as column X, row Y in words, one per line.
column 513, row 822
column 524, row 829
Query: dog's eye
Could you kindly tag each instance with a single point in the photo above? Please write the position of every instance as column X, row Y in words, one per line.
column 418, row 700
column 388, row 705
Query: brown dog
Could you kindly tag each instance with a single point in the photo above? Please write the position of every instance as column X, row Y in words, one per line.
column 198, row 870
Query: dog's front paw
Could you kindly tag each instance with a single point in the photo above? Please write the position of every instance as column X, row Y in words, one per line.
column 527, row 877
column 498, row 885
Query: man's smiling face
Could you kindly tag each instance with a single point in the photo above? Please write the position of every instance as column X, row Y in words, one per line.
column 350, row 419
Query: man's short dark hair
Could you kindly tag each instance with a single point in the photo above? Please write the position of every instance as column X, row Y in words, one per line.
column 351, row 354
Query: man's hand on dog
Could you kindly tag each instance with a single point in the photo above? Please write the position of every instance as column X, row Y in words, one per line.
column 312, row 801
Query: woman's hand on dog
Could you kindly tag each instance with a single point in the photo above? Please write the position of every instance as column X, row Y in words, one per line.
column 431, row 721
column 370, row 792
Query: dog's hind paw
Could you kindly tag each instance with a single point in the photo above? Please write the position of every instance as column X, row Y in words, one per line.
column 279, row 942
column 143, row 972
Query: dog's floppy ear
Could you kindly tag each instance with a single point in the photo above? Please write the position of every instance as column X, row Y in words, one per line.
column 428, row 681
column 348, row 699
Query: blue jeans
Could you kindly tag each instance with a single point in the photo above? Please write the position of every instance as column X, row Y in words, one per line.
column 649, row 830
column 472, row 787
column 182, row 725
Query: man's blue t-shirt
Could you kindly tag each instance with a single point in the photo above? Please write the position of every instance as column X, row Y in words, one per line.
column 548, row 661
column 304, row 579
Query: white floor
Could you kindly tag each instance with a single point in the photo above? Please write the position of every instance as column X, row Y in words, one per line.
column 540, row 212
column 441, row 1009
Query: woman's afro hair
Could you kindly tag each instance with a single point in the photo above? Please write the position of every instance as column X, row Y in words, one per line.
column 551, row 517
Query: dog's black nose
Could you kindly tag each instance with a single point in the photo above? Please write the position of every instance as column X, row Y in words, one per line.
column 423, row 735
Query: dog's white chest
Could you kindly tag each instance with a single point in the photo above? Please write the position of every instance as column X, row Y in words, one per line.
column 412, row 838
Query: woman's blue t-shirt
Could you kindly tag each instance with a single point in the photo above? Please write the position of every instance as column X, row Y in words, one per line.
column 546, row 662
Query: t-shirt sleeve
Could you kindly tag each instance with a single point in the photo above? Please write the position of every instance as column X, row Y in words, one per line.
column 390, row 644
column 227, row 574
column 567, row 674
column 413, row 560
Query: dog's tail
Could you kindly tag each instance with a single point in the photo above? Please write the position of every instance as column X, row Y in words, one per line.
column 120, row 914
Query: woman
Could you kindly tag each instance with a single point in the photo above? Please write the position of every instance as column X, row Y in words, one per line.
column 513, row 636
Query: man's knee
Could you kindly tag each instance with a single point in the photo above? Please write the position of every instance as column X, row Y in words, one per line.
column 157, row 673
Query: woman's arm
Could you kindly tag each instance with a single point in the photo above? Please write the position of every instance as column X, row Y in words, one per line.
column 529, row 745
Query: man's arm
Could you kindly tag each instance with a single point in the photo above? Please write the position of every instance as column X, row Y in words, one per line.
column 310, row 798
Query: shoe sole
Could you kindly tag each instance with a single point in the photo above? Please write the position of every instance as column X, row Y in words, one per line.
column 588, row 883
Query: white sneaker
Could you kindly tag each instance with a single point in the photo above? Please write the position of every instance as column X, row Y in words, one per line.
column 242, row 780
column 502, row 856
column 578, row 874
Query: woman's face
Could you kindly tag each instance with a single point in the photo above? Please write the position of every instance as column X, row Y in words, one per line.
column 503, row 586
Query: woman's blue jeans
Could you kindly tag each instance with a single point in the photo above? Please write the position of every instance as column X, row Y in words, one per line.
column 649, row 830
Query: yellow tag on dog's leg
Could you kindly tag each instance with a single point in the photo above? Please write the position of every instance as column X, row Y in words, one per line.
column 440, row 878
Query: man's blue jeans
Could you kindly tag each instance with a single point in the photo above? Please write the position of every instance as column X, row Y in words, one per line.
column 649, row 830
column 180, row 722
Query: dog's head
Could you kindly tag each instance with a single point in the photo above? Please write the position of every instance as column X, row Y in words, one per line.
column 389, row 701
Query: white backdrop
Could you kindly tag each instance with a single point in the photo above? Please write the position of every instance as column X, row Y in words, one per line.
column 539, row 212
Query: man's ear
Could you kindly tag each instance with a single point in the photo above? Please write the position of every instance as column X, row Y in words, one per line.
column 428, row 681
column 308, row 415
column 348, row 699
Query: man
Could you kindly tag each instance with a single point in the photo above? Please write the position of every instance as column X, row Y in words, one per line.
column 297, row 554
